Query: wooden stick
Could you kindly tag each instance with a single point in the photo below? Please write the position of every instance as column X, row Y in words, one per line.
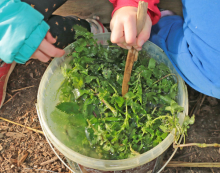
column 35, row 130
column 23, row 88
column 133, row 53
column 174, row 164
column 127, row 72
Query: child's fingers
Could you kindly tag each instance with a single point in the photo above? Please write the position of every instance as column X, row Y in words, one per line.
column 130, row 31
column 50, row 38
column 40, row 56
column 50, row 50
column 117, row 34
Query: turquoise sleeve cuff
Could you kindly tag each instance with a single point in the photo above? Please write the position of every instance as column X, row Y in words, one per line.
column 31, row 43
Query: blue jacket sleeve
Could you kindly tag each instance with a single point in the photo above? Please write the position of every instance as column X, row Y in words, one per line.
column 22, row 29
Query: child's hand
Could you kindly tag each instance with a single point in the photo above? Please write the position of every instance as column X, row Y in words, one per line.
column 46, row 50
column 123, row 27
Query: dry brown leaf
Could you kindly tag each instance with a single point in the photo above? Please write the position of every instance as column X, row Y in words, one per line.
column 22, row 157
column 1, row 148
column 15, row 134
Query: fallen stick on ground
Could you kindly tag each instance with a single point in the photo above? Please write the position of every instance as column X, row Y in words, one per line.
column 49, row 161
column 22, row 88
column 201, row 145
column 174, row 164
column 35, row 130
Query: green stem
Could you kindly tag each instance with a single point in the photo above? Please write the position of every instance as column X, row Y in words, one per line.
column 137, row 81
column 125, row 121
column 160, row 117
column 154, row 110
column 134, row 152
column 113, row 88
column 108, row 105
column 90, row 124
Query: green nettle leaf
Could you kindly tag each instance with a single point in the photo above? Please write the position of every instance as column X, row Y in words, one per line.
column 189, row 121
column 79, row 49
column 74, row 54
column 166, row 99
column 78, row 92
column 152, row 63
column 129, row 95
column 146, row 74
column 77, row 81
column 68, row 107
column 157, row 73
column 173, row 91
column 163, row 128
column 95, row 120
column 89, row 79
column 120, row 101
column 106, row 73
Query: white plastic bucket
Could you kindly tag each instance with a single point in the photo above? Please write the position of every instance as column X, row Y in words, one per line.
column 47, row 100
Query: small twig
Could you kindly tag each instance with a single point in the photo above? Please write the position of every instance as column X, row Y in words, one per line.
column 203, row 145
column 171, row 74
column 35, row 130
column 49, row 161
column 10, row 98
column 188, row 164
column 212, row 170
column 198, row 104
column 9, row 94
column 23, row 88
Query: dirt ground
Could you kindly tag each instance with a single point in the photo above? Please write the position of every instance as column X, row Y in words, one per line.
column 22, row 150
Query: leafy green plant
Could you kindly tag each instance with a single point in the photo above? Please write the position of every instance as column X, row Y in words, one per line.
column 116, row 127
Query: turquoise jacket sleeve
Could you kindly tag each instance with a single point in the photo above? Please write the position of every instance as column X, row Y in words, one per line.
column 22, row 29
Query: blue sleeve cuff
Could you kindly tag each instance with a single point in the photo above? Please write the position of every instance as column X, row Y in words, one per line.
column 31, row 43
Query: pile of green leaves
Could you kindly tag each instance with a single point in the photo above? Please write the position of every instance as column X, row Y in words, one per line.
column 117, row 127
